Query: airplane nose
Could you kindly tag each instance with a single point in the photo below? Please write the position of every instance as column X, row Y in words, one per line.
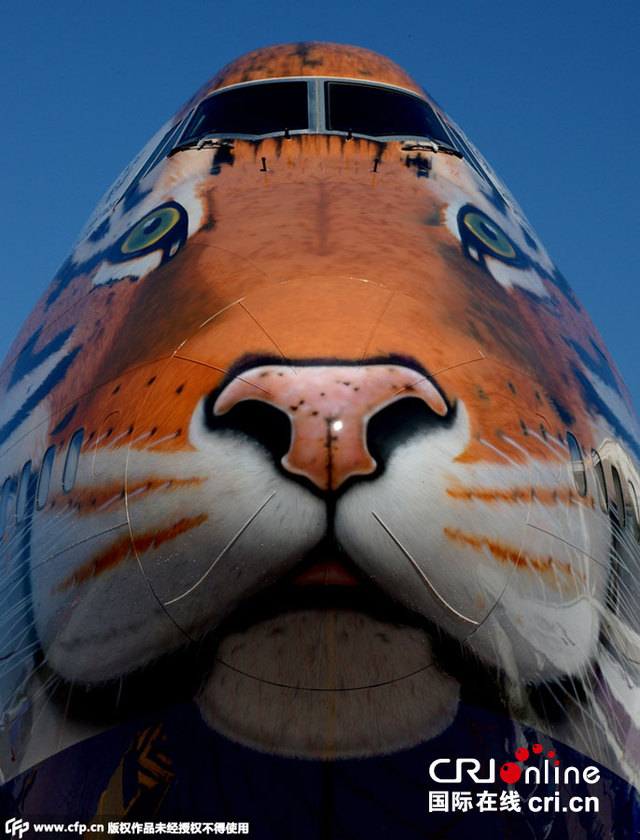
column 329, row 408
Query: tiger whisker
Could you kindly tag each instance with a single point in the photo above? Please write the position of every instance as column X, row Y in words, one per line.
column 79, row 542
column 228, row 546
column 556, row 444
column 499, row 452
column 419, row 571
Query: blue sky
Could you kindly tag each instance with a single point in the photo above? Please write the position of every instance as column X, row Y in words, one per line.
column 547, row 91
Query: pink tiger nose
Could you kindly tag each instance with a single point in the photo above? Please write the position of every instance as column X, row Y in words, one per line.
column 329, row 407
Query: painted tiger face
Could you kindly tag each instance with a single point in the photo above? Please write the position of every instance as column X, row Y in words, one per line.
column 320, row 389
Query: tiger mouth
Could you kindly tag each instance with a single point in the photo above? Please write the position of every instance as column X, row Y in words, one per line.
column 325, row 581
column 325, row 578
column 329, row 572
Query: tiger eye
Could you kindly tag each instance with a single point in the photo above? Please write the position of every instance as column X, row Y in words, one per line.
column 490, row 235
column 150, row 230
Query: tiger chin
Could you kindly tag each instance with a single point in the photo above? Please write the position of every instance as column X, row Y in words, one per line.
column 328, row 684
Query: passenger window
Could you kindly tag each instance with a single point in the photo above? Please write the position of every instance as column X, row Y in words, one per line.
column 634, row 511
column 44, row 478
column 577, row 465
column 619, row 497
column 265, row 108
column 23, row 492
column 8, row 495
column 71, row 461
column 374, row 111
column 601, row 483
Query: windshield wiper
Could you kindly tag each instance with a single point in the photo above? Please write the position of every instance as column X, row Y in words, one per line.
column 209, row 141
column 429, row 146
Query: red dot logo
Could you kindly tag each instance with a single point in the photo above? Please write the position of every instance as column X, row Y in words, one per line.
column 537, row 748
column 551, row 754
column 522, row 753
column 510, row 772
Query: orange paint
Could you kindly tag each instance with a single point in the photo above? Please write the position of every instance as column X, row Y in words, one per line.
column 311, row 58
column 93, row 498
column 510, row 554
column 121, row 549
column 517, row 495
column 297, row 296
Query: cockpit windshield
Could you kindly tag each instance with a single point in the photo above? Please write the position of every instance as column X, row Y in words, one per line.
column 259, row 109
column 314, row 106
column 378, row 112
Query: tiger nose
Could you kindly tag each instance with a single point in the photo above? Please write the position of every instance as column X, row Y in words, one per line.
column 329, row 408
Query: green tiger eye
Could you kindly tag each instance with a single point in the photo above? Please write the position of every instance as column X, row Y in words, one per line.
column 490, row 235
column 150, row 229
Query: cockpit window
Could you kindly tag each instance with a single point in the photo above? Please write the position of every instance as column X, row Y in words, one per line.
column 160, row 151
column 379, row 112
column 314, row 106
column 255, row 109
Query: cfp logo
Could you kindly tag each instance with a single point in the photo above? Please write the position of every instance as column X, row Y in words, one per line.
column 16, row 828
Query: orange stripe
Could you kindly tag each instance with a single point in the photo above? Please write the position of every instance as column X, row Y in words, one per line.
column 517, row 495
column 121, row 549
column 95, row 497
column 509, row 554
